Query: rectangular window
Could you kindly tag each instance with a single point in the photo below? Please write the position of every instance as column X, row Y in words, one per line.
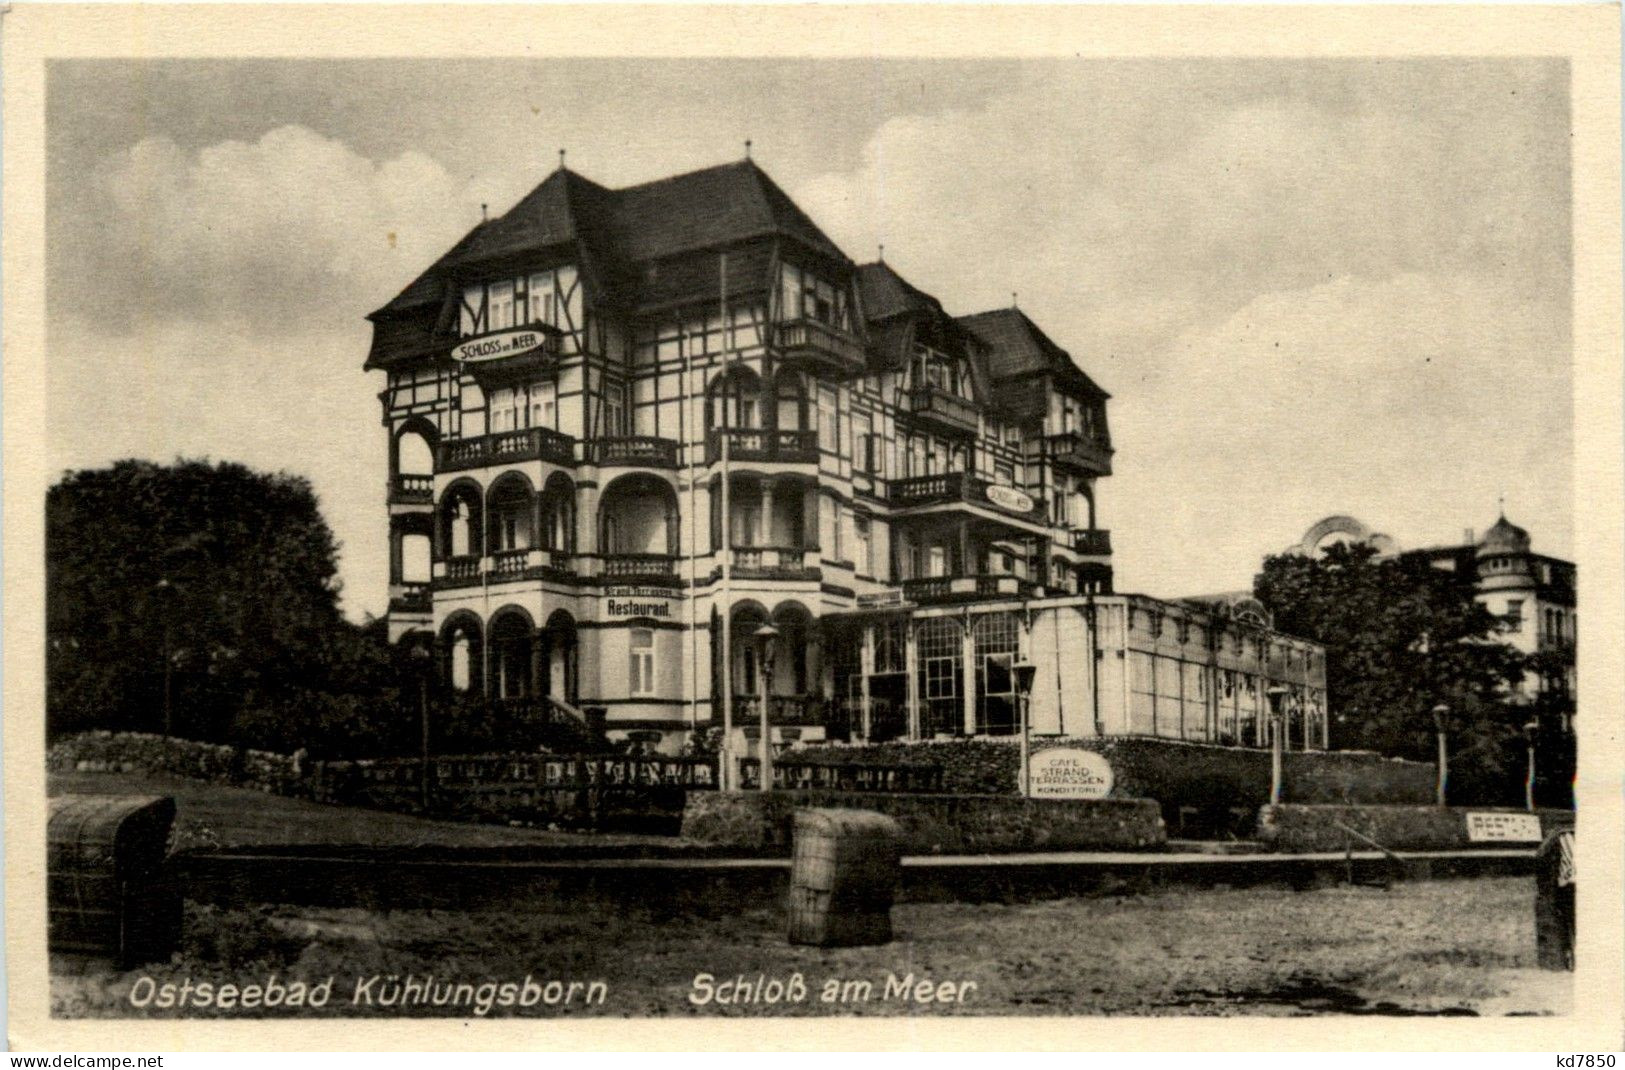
column 501, row 305
column 541, row 298
column 828, row 420
column 1004, row 473
column 1514, row 617
column 864, row 551
column 614, row 409
column 861, row 426
column 936, row 563
column 643, row 661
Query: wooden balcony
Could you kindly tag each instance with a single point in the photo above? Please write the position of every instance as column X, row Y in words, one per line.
column 506, row 447
column 639, row 568
column 407, row 489
column 943, row 410
column 1082, row 453
column 788, row 446
column 818, row 342
column 635, row 451
column 1095, row 542
column 952, row 487
column 776, row 563
column 938, row 589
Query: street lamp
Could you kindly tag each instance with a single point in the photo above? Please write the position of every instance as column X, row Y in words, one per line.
column 1022, row 674
column 1440, row 712
column 765, row 635
column 1530, row 730
column 1277, row 696
column 423, row 659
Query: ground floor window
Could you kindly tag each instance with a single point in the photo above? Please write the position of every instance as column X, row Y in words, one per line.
column 940, row 660
column 643, row 661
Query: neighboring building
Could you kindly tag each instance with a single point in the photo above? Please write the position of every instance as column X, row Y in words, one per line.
column 587, row 393
column 1532, row 594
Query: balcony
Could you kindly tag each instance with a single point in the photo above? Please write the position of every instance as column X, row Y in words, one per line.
column 775, row 563
column 639, row 568
column 1077, row 451
column 812, row 340
column 411, row 490
column 409, row 599
column 459, row 572
column 506, row 447
column 947, row 412
column 637, row 451
column 937, row 589
column 509, row 564
column 789, row 446
column 784, row 710
column 1093, row 542
column 949, row 487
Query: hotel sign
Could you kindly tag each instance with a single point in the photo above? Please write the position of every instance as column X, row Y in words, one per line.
column 1503, row 828
column 638, row 602
column 1009, row 499
column 498, row 346
column 1069, row 773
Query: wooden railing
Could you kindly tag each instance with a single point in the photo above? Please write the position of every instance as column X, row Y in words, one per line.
column 809, row 338
column 782, row 446
column 506, row 447
column 967, row 588
column 643, row 451
column 791, row 775
column 958, row 487
column 1096, row 542
column 1081, row 451
column 411, row 489
column 941, row 407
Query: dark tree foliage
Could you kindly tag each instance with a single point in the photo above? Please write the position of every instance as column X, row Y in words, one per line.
column 225, row 576
column 1401, row 638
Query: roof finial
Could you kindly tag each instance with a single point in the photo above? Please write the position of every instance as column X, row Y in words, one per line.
column 882, row 252
column 561, row 159
column 483, row 207
column 747, row 148
column 1013, row 302
column 1503, row 503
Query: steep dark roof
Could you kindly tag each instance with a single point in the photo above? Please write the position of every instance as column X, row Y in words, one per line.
column 1016, row 346
column 885, row 293
column 622, row 232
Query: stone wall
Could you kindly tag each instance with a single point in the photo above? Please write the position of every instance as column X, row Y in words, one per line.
column 1296, row 828
column 932, row 824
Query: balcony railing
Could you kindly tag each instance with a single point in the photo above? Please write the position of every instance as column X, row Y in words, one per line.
column 967, row 588
column 809, row 339
column 642, row 451
column 781, row 710
column 507, row 564
column 506, row 447
column 948, row 411
column 776, row 562
column 1075, row 450
column 640, row 568
column 1096, row 542
column 782, row 446
column 410, row 598
column 406, row 489
column 964, row 487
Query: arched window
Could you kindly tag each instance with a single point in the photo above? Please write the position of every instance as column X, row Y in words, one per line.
column 558, row 511
column 509, row 508
column 461, row 652
column 461, row 512
column 462, row 666
column 735, row 400
column 413, row 455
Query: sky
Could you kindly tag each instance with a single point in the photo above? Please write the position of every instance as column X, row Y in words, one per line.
column 1311, row 287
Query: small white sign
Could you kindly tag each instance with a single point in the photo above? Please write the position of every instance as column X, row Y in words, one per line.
column 1503, row 828
column 497, row 346
column 1069, row 773
column 1008, row 498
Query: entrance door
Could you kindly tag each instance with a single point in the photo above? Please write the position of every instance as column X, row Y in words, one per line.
column 888, row 706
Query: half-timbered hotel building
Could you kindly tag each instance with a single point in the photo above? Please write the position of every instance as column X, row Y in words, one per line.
column 629, row 428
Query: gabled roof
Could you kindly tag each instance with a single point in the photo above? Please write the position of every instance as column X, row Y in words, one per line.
column 1017, row 346
column 621, row 232
column 885, row 293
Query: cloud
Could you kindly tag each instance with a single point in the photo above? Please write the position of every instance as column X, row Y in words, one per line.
column 276, row 232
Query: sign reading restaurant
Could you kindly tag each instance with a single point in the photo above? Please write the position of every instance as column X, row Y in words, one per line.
column 499, row 345
column 637, row 602
column 1009, row 499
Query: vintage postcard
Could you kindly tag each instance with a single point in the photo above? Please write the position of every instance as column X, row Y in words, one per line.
column 562, row 527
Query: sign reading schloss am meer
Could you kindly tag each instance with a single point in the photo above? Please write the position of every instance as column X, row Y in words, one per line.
column 637, row 602
column 499, row 345
column 1506, row 828
column 1009, row 499
column 1068, row 773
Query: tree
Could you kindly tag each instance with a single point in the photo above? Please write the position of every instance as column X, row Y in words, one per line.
column 1401, row 638
column 187, row 590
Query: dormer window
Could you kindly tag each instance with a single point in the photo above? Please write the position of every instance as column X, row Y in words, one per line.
column 805, row 296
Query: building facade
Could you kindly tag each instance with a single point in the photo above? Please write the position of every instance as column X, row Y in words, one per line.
column 661, row 448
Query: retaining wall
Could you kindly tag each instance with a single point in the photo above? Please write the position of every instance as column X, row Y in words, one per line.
column 760, row 822
column 1297, row 828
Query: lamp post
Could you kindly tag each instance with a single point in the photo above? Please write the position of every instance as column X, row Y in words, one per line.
column 1022, row 674
column 423, row 660
column 765, row 635
column 1440, row 712
column 1531, row 729
column 1277, row 696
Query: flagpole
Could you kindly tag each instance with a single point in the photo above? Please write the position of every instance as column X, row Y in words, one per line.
column 725, row 762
